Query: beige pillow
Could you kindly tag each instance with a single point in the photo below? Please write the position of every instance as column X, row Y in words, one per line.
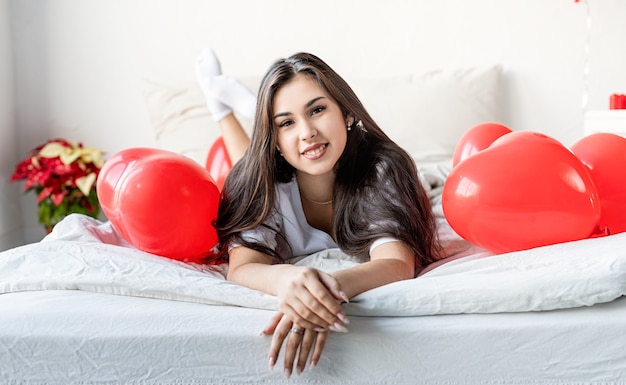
column 181, row 120
column 426, row 113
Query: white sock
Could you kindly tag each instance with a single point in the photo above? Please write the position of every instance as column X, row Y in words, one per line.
column 235, row 95
column 207, row 69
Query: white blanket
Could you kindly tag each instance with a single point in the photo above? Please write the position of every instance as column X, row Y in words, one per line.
column 85, row 254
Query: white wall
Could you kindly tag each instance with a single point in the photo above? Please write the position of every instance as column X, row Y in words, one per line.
column 10, row 220
column 80, row 63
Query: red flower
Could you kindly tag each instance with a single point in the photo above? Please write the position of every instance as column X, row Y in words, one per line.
column 63, row 174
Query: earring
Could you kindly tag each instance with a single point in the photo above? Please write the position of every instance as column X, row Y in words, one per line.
column 349, row 124
column 359, row 124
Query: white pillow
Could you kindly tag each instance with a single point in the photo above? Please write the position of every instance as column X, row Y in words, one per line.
column 181, row 120
column 426, row 114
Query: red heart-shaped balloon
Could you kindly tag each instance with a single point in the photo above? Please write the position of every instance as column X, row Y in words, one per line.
column 218, row 162
column 605, row 156
column 525, row 190
column 477, row 139
column 160, row 202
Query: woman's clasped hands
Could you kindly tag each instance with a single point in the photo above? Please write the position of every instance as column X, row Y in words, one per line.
column 309, row 303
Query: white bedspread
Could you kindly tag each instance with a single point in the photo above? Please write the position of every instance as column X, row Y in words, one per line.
column 85, row 254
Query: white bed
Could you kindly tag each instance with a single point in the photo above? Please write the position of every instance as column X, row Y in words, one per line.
column 83, row 307
column 79, row 337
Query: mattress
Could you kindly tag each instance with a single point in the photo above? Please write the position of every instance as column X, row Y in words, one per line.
column 79, row 337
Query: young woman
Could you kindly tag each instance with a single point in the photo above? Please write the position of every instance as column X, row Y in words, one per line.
column 318, row 173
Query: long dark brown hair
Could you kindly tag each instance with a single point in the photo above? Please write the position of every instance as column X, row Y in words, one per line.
column 376, row 192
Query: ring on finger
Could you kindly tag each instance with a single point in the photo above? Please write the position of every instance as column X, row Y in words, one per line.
column 296, row 330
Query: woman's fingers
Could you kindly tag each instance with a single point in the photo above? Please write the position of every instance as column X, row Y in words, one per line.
column 312, row 322
column 269, row 329
column 294, row 340
column 308, row 295
column 320, row 342
column 333, row 286
column 328, row 308
column 309, row 312
column 308, row 339
column 280, row 333
column 300, row 343
column 310, row 305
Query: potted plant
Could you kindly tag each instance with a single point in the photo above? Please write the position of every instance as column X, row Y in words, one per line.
column 63, row 174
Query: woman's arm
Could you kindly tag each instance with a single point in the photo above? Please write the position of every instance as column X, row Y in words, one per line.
column 389, row 262
column 309, row 297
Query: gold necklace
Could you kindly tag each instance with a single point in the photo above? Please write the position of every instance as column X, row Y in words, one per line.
column 316, row 202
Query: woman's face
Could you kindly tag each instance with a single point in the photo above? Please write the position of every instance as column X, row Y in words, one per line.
column 311, row 128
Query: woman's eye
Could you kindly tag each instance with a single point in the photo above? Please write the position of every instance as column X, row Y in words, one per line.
column 286, row 123
column 317, row 110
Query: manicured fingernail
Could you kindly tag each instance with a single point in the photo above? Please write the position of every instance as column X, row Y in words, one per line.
column 298, row 372
column 312, row 365
column 343, row 318
column 287, row 373
column 271, row 362
column 321, row 330
column 344, row 296
column 337, row 327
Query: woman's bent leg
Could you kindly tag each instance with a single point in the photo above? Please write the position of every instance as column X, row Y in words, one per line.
column 235, row 138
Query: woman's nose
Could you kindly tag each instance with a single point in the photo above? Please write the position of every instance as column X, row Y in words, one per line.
column 307, row 131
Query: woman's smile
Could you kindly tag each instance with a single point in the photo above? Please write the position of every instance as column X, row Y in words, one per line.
column 316, row 151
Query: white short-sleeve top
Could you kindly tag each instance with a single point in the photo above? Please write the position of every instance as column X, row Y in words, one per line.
column 287, row 230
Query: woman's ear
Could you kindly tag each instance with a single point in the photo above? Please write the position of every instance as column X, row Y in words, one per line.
column 349, row 120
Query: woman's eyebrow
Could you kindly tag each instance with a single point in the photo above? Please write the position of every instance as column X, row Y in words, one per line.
column 313, row 101
column 307, row 105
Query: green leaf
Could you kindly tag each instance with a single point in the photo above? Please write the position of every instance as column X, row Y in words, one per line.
column 74, row 202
